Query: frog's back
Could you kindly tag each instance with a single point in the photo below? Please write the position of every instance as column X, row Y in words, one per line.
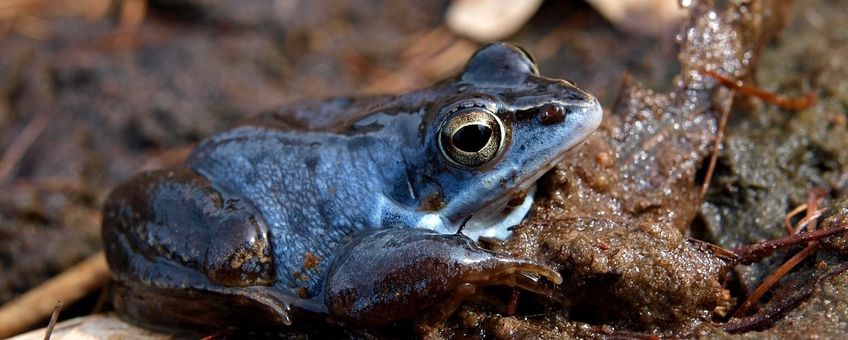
column 311, row 189
column 338, row 114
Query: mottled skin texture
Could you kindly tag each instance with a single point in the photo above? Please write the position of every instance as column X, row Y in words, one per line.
column 259, row 214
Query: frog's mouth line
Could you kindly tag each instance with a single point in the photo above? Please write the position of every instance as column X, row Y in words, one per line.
column 494, row 219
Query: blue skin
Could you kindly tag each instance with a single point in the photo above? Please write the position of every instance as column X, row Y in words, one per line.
column 315, row 206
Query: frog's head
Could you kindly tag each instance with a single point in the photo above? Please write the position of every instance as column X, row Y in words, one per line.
column 504, row 128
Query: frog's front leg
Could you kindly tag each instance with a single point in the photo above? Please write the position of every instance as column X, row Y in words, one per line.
column 392, row 274
column 172, row 237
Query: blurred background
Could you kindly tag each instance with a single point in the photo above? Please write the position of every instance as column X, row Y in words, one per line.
column 93, row 91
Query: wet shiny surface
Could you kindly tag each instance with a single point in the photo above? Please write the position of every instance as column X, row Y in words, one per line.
column 276, row 208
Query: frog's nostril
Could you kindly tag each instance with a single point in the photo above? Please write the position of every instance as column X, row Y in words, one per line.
column 551, row 114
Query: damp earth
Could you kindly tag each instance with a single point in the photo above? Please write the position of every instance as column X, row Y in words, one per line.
column 643, row 250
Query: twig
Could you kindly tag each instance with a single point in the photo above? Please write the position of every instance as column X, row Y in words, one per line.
column 813, row 198
column 53, row 319
column 20, row 144
column 33, row 306
column 781, row 304
column 103, row 326
column 724, row 254
column 782, row 101
column 812, row 214
column 722, row 124
column 787, row 225
column 775, row 276
column 754, row 252
column 809, row 219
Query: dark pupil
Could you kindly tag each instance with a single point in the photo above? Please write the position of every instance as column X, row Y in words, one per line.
column 472, row 138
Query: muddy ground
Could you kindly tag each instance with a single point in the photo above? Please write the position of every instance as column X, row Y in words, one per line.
column 119, row 96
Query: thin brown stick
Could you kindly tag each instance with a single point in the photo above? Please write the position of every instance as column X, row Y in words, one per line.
column 813, row 197
column 53, row 319
column 721, row 253
column 35, row 305
column 722, row 124
column 787, row 225
column 808, row 220
column 20, row 145
column 775, row 276
column 784, row 305
column 784, row 102
column 754, row 252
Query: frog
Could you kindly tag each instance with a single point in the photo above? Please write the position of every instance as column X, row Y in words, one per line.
column 365, row 210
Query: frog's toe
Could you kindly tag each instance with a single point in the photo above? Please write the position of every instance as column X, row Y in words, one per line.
column 514, row 272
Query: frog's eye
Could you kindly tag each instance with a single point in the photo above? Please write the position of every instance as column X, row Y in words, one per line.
column 471, row 137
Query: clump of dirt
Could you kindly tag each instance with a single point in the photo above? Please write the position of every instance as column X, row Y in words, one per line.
column 639, row 276
column 615, row 217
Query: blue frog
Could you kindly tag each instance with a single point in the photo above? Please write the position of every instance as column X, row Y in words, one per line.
column 348, row 207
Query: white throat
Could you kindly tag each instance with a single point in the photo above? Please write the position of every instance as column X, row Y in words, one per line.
column 495, row 219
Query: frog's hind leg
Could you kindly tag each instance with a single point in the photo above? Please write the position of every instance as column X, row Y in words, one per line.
column 184, row 254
